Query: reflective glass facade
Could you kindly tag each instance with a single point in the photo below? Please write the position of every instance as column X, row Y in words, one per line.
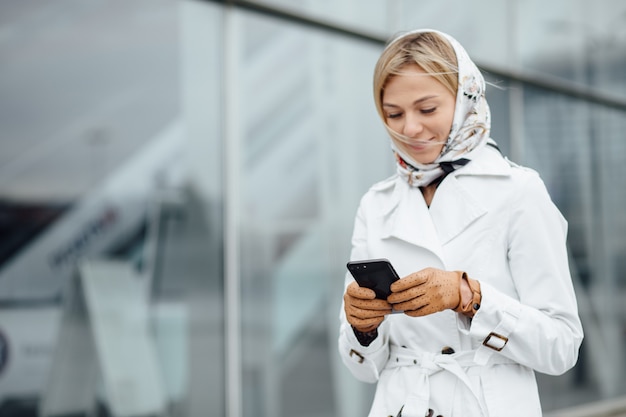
column 181, row 178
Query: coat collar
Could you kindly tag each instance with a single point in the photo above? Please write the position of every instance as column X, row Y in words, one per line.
column 454, row 208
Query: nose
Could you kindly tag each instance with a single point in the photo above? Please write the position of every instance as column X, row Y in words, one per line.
column 413, row 126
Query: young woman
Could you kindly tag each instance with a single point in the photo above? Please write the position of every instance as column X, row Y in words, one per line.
column 485, row 290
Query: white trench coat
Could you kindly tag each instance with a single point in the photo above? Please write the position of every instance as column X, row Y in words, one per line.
column 495, row 221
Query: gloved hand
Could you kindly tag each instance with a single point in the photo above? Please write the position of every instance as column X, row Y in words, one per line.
column 427, row 291
column 363, row 310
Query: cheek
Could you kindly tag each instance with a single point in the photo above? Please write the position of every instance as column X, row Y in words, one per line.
column 449, row 118
column 449, row 125
column 437, row 149
column 445, row 124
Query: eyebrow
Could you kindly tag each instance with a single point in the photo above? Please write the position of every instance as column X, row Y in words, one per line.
column 418, row 101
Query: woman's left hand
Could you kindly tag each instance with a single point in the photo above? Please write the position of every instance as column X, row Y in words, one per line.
column 426, row 292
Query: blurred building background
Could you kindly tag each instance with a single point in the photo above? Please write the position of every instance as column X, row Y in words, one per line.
column 178, row 181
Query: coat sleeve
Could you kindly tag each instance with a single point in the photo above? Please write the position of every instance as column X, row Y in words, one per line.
column 364, row 362
column 541, row 329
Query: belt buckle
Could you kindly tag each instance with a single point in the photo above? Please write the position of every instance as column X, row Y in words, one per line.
column 497, row 346
column 355, row 353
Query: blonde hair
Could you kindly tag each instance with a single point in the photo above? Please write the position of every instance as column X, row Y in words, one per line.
column 429, row 50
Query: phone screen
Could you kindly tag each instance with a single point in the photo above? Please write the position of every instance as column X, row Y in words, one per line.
column 377, row 274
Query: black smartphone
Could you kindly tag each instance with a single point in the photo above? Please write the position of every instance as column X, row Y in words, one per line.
column 377, row 274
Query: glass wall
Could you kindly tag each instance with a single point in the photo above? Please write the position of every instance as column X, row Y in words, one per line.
column 179, row 179
column 310, row 145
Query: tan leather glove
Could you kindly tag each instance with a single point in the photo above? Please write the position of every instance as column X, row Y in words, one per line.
column 431, row 290
column 363, row 310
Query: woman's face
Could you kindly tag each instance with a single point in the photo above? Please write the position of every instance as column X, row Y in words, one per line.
column 418, row 106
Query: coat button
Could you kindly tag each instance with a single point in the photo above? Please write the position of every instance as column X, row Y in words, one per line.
column 447, row 350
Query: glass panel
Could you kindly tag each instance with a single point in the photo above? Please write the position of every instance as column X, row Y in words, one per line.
column 577, row 148
column 77, row 98
column 193, row 249
column 80, row 104
column 578, row 41
column 498, row 97
column 91, row 168
column 574, row 40
column 373, row 19
column 311, row 145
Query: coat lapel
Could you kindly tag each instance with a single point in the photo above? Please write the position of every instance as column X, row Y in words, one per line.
column 408, row 219
column 453, row 208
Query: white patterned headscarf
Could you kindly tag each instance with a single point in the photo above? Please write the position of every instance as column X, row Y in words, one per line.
column 470, row 126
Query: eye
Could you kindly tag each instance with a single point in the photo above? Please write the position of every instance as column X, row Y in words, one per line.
column 394, row 115
column 428, row 111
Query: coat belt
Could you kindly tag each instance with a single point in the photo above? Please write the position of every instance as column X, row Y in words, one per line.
column 427, row 364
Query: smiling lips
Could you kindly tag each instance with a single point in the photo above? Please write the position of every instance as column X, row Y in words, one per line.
column 422, row 143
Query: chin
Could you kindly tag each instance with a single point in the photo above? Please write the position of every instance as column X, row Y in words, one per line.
column 425, row 159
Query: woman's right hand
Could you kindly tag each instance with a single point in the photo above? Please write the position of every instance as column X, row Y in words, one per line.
column 363, row 310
